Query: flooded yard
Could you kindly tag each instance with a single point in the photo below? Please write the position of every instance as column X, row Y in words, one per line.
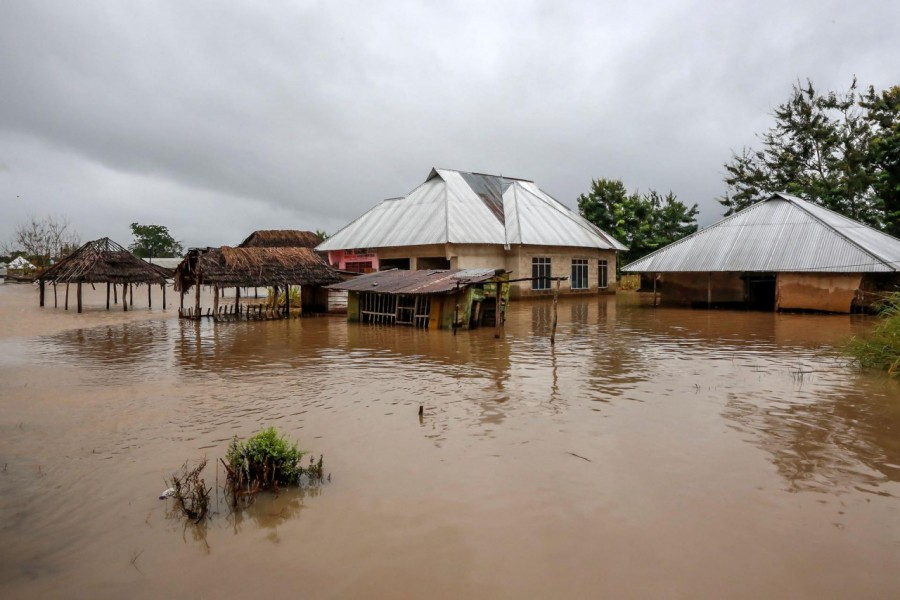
column 651, row 453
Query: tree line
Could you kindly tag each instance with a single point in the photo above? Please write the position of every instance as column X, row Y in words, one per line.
column 840, row 150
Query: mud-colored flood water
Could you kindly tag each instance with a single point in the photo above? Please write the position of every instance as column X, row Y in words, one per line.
column 653, row 453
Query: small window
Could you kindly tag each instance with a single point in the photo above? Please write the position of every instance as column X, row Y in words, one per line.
column 602, row 274
column 540, row 270
column 579, row 274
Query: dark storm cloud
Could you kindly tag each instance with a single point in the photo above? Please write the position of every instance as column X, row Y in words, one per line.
column 216, row 118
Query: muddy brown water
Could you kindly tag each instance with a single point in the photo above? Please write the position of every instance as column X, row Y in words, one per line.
column 652, row 453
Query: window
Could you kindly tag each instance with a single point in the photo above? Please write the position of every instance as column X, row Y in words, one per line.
column 540, row 270
column 579, row 274
column 602, row 274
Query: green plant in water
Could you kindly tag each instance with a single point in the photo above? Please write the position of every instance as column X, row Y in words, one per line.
column 266, row 461
column 295, row 295
column 880, row 349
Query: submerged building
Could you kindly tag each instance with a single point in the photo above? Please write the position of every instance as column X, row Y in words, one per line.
column 783, row 253
column 460, row 220
column 429, row 299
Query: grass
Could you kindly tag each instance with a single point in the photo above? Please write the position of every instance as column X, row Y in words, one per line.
column 880, row 349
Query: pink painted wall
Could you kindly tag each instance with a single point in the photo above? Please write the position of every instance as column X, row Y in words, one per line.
column 340, row 258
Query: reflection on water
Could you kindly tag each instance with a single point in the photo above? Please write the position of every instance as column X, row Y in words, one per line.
column 653, row 430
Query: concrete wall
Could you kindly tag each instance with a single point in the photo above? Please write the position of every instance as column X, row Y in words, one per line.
column 829, row 292
column 517, row 259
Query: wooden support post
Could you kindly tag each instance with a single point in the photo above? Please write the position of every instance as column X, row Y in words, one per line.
column 130, row 294
column 709, row 290
column 287, row 301
column 498, row 288
column 41, row 283
column 55, row 299
column 149, row 298
column 237, row 300
column 107, row 295
column 163, row 286
column 181, row 301
column 197, row 294
column 215, row 303
column 67, row 295
column 655, row 277
column 79, row 296
column 553, row 325
column 125, row 297
column 115, row 294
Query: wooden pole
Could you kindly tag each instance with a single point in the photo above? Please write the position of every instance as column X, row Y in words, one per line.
column 237, row 300
column 55, row 299
column 115, row 294
column 130, row 294
column 498, row 288
column 197, row 294
column 553, row 327
column 215, row 303
column 163, row 286
column 107, row 295
column 287, row 301
column 42, row 291
column 709, row 290
column 67, row 295
column 79, row 296
column 655, row 277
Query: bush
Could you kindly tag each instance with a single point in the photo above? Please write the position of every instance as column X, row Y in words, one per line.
column 266, row 461
column 190, row 492
column 881, row 348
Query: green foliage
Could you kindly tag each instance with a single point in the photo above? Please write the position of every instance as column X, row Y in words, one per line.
column 881, row 348
column 295, row 295
column 839, row 150
column 153, row 241
column 643, row 222
column 267, row 460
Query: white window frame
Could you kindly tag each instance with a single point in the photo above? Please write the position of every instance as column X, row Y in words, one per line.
column 580, row 266
column 541, row 270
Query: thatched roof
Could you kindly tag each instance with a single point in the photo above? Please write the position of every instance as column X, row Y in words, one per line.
column 102, row 261
column 253, row 267
column 281, row 238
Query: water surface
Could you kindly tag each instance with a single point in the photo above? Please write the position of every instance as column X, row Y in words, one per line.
column 649, row 453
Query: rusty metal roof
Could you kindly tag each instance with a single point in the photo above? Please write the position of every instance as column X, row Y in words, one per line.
column 455, row 207
column 432, row 281
column 781, row 234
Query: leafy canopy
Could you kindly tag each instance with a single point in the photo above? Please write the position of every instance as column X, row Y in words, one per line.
column 153, row 241
column 643, row 222
column 840, row 150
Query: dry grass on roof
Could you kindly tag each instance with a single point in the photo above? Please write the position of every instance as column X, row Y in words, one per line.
column 281, row 238
column 254, row 267
column 103, row 261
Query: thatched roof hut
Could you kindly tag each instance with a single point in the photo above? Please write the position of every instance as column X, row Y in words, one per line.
column 281, row 238
column 253, row 267
column 102, row 261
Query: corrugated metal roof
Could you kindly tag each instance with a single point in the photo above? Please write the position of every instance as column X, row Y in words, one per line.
column 782, row 233
column 471, row 208
column 416, row 282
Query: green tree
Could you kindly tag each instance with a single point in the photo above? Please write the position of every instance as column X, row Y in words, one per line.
column 834, row 149
column 153, row 241
column 643, row 222
column 883, row 115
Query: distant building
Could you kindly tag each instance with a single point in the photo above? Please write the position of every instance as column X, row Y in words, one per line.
column 459, row 220
column 783, row 253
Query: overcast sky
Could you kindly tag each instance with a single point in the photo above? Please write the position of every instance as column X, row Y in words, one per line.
column 219, row 118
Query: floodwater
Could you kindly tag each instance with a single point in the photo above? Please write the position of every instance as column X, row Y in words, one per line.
column 652, row 453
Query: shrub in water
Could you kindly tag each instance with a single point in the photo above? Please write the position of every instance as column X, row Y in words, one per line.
column 881, row 348
column 265, row 461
